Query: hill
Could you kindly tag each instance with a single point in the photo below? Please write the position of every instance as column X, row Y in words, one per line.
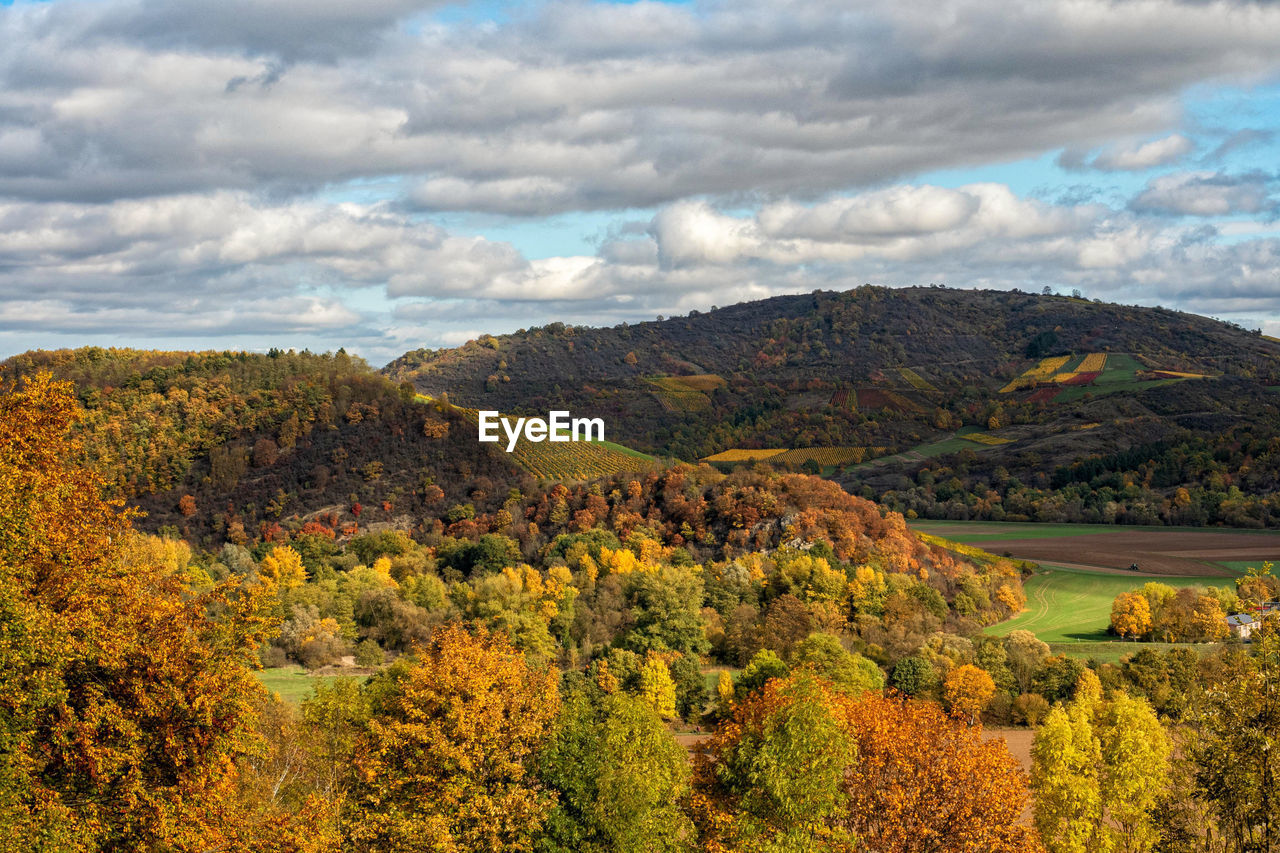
column 241, row 446
column 945, row 403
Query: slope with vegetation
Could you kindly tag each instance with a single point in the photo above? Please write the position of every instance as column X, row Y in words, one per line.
column 977, row 398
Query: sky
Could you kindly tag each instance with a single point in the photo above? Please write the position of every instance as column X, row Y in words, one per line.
column 385, row 175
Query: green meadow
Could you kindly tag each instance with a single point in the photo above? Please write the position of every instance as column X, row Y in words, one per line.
column 1074, row 606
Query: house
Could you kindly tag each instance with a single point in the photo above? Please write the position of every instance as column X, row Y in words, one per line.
column 1242, row 625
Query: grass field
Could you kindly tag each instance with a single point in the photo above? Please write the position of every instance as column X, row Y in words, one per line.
column 291, row 683
column 981, row 531
column 1113, row 650
column 1074, row 606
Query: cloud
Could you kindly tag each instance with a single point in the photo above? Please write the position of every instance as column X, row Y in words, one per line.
column 117, row 99
column 1132, row 156
column 1205, row 194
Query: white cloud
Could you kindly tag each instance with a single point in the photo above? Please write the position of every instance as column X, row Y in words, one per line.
column 1204, row 194
column 1134, row 156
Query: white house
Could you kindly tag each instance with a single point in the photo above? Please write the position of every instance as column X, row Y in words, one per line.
column 1243, row 625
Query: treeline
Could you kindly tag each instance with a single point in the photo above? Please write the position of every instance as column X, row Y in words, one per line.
column 1231, row 478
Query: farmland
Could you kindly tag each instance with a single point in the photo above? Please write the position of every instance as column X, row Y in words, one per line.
column 1084, row 567
column 824, row 457
column 570, row 460
column 1071, row 605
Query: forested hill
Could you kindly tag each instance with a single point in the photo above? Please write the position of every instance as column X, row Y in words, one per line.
column 927, row 397
column 228, row 446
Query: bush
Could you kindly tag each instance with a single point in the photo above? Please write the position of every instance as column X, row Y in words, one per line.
column 1030, row 708
column 369, row 653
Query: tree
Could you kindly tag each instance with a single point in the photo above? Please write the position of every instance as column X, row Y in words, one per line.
column 117, row 685
column 763, row 667
column 914, row 676
column 967, row 691
column 1135, row 756
column 1101, row 771
column 666, row 606
column 448, row 756
column 772, row 776
column 1065, row 776
column 282, row 569
column 846, row 671
column 1237, row 767
column 657, row 690
column 927, row 783
column 1131, row 615
column 620, row 777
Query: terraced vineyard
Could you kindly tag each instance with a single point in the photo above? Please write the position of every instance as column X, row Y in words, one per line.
column 916, row 380
column 685, row 393
column 824, row 457
column 570, row 460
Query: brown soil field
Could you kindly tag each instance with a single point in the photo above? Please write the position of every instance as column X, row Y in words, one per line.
column 1018, row 741
column 1157, row 552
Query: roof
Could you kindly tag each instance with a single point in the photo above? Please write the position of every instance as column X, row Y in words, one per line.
column 1240, row 619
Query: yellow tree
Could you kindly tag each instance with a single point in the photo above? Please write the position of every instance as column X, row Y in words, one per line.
column 657, row 688
column 123, row 703
column 282, row 568
column 1131, row 615
column 1065, row 759
column 1136, row 754
column 447, row 760
column 967, row 691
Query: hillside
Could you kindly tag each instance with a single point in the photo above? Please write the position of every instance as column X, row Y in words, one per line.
column 946, row 403
column 240, row 446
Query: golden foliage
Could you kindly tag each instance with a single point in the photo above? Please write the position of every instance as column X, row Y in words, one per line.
column 447, row 761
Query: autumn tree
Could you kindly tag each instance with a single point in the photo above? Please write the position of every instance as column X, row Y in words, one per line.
column 620, row 777
column 772, row 777
column 1100, row 772
column 123, row 703
column 925, row 782
column 447, row 760
column 967, row 691
column 1131, row 615
column 1232, row 746
column 849, row 672
column 1065, row 776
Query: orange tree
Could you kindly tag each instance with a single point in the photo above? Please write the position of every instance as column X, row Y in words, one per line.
column 925, row 782
column 448, row 759
column 123, row 702
column 801, row 766
column 967, row 690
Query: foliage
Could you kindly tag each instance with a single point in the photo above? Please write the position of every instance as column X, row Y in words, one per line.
column 448, row 757
column 123, row 701
column 967, row 691
column 772, row 776
column 927, row 783
column 620, row 777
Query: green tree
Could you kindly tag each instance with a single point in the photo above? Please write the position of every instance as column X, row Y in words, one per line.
column 666, row 609
column 763, row 667
column 848, row 672
column 772, row 777
column 620, row 777
column 914, row 676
